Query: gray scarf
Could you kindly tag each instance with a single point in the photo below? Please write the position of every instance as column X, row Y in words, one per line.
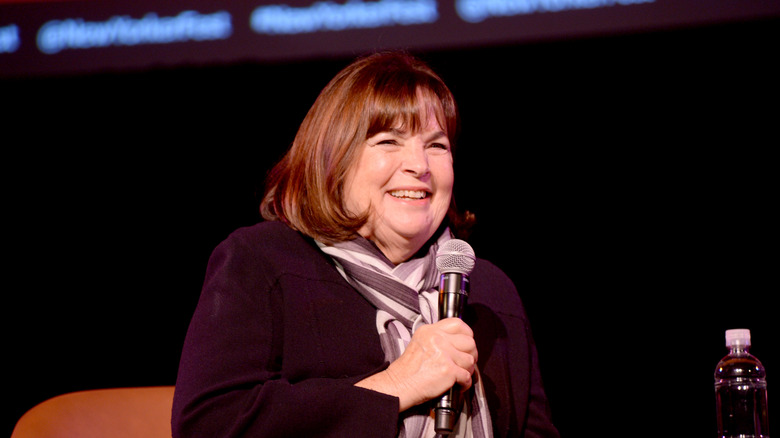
column 406, row 297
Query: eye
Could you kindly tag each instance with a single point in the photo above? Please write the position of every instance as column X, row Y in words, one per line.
column 439, row 147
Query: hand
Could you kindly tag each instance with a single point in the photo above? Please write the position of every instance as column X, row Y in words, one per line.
column 438, row 356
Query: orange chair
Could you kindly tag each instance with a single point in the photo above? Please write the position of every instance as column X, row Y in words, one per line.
column 143, row 412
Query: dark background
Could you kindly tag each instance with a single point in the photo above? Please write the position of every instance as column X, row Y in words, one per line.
column 627, row 183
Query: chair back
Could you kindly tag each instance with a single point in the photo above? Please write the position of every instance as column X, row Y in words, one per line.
column 142, row 412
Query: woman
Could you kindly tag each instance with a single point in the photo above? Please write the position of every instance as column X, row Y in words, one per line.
column 321, row 321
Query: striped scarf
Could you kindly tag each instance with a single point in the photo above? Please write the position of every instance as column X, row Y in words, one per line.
column 406, row 297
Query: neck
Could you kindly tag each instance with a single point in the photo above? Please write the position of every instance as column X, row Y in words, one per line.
column 399, row 249
column 397, row 253
column 396, row 250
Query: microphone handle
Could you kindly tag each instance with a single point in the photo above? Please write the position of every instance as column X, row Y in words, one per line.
column 453, row 293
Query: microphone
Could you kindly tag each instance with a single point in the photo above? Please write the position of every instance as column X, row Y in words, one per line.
column 455, row 261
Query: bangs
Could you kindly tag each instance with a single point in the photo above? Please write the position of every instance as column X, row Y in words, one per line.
column 379, row 93
column 409, row 107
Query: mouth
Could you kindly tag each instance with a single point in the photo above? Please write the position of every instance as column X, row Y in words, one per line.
column 409, row 194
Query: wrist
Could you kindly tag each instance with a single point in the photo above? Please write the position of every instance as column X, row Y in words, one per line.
column 386, row 383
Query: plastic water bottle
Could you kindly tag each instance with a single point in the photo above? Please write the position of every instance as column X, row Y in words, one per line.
column 740, row 390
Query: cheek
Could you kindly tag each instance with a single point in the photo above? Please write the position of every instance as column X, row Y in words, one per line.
column 354, row 198
column 445, row 178
column 449, row 183
column 360, row 186
column 350, row 192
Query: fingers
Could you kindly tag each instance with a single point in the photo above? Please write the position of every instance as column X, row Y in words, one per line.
column 438, row 356
column 448, row 350
column 454, row 326
column 461, row 338
column 464, row 369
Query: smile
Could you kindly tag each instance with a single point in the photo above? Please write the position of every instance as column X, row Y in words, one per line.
column 409, row 194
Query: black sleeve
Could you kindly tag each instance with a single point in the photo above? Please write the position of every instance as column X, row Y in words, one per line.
column 231, row 382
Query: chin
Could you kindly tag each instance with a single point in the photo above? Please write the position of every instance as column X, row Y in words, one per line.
column 419, row 233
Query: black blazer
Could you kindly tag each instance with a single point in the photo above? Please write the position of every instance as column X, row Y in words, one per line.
column 279, row 339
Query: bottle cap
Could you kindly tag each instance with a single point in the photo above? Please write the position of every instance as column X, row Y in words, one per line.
column 736, row 337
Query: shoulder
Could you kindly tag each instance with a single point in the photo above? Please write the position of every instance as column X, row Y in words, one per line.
column 271, row 246
column 492, row 287
column 269, row 239
column 272, row 233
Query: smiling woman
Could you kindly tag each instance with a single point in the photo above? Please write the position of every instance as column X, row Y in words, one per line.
column 323, row 320
column 384, row 99
column 402, row 182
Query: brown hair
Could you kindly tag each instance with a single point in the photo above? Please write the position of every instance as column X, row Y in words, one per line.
column 371, row 95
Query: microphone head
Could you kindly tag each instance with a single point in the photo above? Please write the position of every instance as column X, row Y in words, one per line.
column 456, row 256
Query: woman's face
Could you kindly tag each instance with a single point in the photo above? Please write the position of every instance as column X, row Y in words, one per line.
column 404, row 180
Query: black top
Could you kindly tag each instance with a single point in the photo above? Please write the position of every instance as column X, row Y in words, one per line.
column 279, row 339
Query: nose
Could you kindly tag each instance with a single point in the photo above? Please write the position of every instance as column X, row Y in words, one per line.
column 416, row 161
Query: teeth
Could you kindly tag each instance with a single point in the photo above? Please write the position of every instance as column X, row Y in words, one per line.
column 414, row 194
